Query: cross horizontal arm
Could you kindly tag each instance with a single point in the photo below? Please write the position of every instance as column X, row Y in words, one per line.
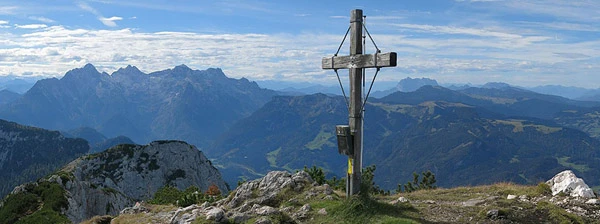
column 360, row 61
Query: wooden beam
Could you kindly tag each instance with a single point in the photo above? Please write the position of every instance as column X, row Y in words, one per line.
column 360, row 61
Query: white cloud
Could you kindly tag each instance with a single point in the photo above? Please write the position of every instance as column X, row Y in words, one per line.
column 106, row 21
column 450, row 51
column 88, row 8
column 8, row 10
column 3, row 22
column 31, row 26
column 459, row 30
column 41, row 19
column 110, row 21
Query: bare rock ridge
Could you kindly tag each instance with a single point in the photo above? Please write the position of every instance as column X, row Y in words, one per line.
column 107, row 182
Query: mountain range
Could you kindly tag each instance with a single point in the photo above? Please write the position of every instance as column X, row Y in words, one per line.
column 178, row 103
column 468, row 137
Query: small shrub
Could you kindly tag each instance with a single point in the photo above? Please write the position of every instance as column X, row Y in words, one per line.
column 166, row 195
column 213, row 190
column 192, row 195
column 316, row 173
column 337, row 184
column 543, row 189
column 427, row 182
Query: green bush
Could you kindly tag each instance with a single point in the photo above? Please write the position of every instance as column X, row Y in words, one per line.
column 17, row 205
column 337, row 184
column 543, row 189
column 166, row 195
column 171, row 195
column 316, row 173
column 37, row 204
column 43, row 217
column 427, row 182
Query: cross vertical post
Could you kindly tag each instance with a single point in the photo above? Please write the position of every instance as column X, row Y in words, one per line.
column 350, row 137
column 355, row 116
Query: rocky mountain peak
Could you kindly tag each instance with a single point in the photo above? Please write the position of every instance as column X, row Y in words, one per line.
column 182, row 67
column 83, row 74
column 496, row 85
column 129, row 70
column 107, row 182
column 409, row 84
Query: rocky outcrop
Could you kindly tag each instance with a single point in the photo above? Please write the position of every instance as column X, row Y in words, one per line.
column 261, row 199
column 108, row 182
column 566, row 182
column 264, row 191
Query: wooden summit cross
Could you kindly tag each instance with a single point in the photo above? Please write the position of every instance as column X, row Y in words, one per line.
column 355, row 62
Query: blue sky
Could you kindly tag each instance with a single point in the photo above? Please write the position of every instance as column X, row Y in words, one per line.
column 524, row 43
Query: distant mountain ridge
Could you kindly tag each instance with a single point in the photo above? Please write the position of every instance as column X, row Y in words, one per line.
column 28, row 153
column 16, row 84
column 7, row 96
column 509, row 131
column 407, row 84
column 178, row 103
column 97, row 141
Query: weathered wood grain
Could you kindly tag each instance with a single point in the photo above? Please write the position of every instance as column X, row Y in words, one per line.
column 360, row 61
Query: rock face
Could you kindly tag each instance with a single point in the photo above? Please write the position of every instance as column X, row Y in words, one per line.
column 570, row 184
column 107, row 182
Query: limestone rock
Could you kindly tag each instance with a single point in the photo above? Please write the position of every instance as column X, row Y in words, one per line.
column 429, row 202
column 215, row 214
column 593, row 201
column 305, row 208
column 322, row 211
column 399, row 200
column 239, row 217
column 473, row 202
column 328, row 190
column 137, row 208
column 266, row 210
column 570, row 184
column 263, row 220
column 492, row 214
column 186, row 215
column 511, row 197
column 302, row 213
column 264, row 191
